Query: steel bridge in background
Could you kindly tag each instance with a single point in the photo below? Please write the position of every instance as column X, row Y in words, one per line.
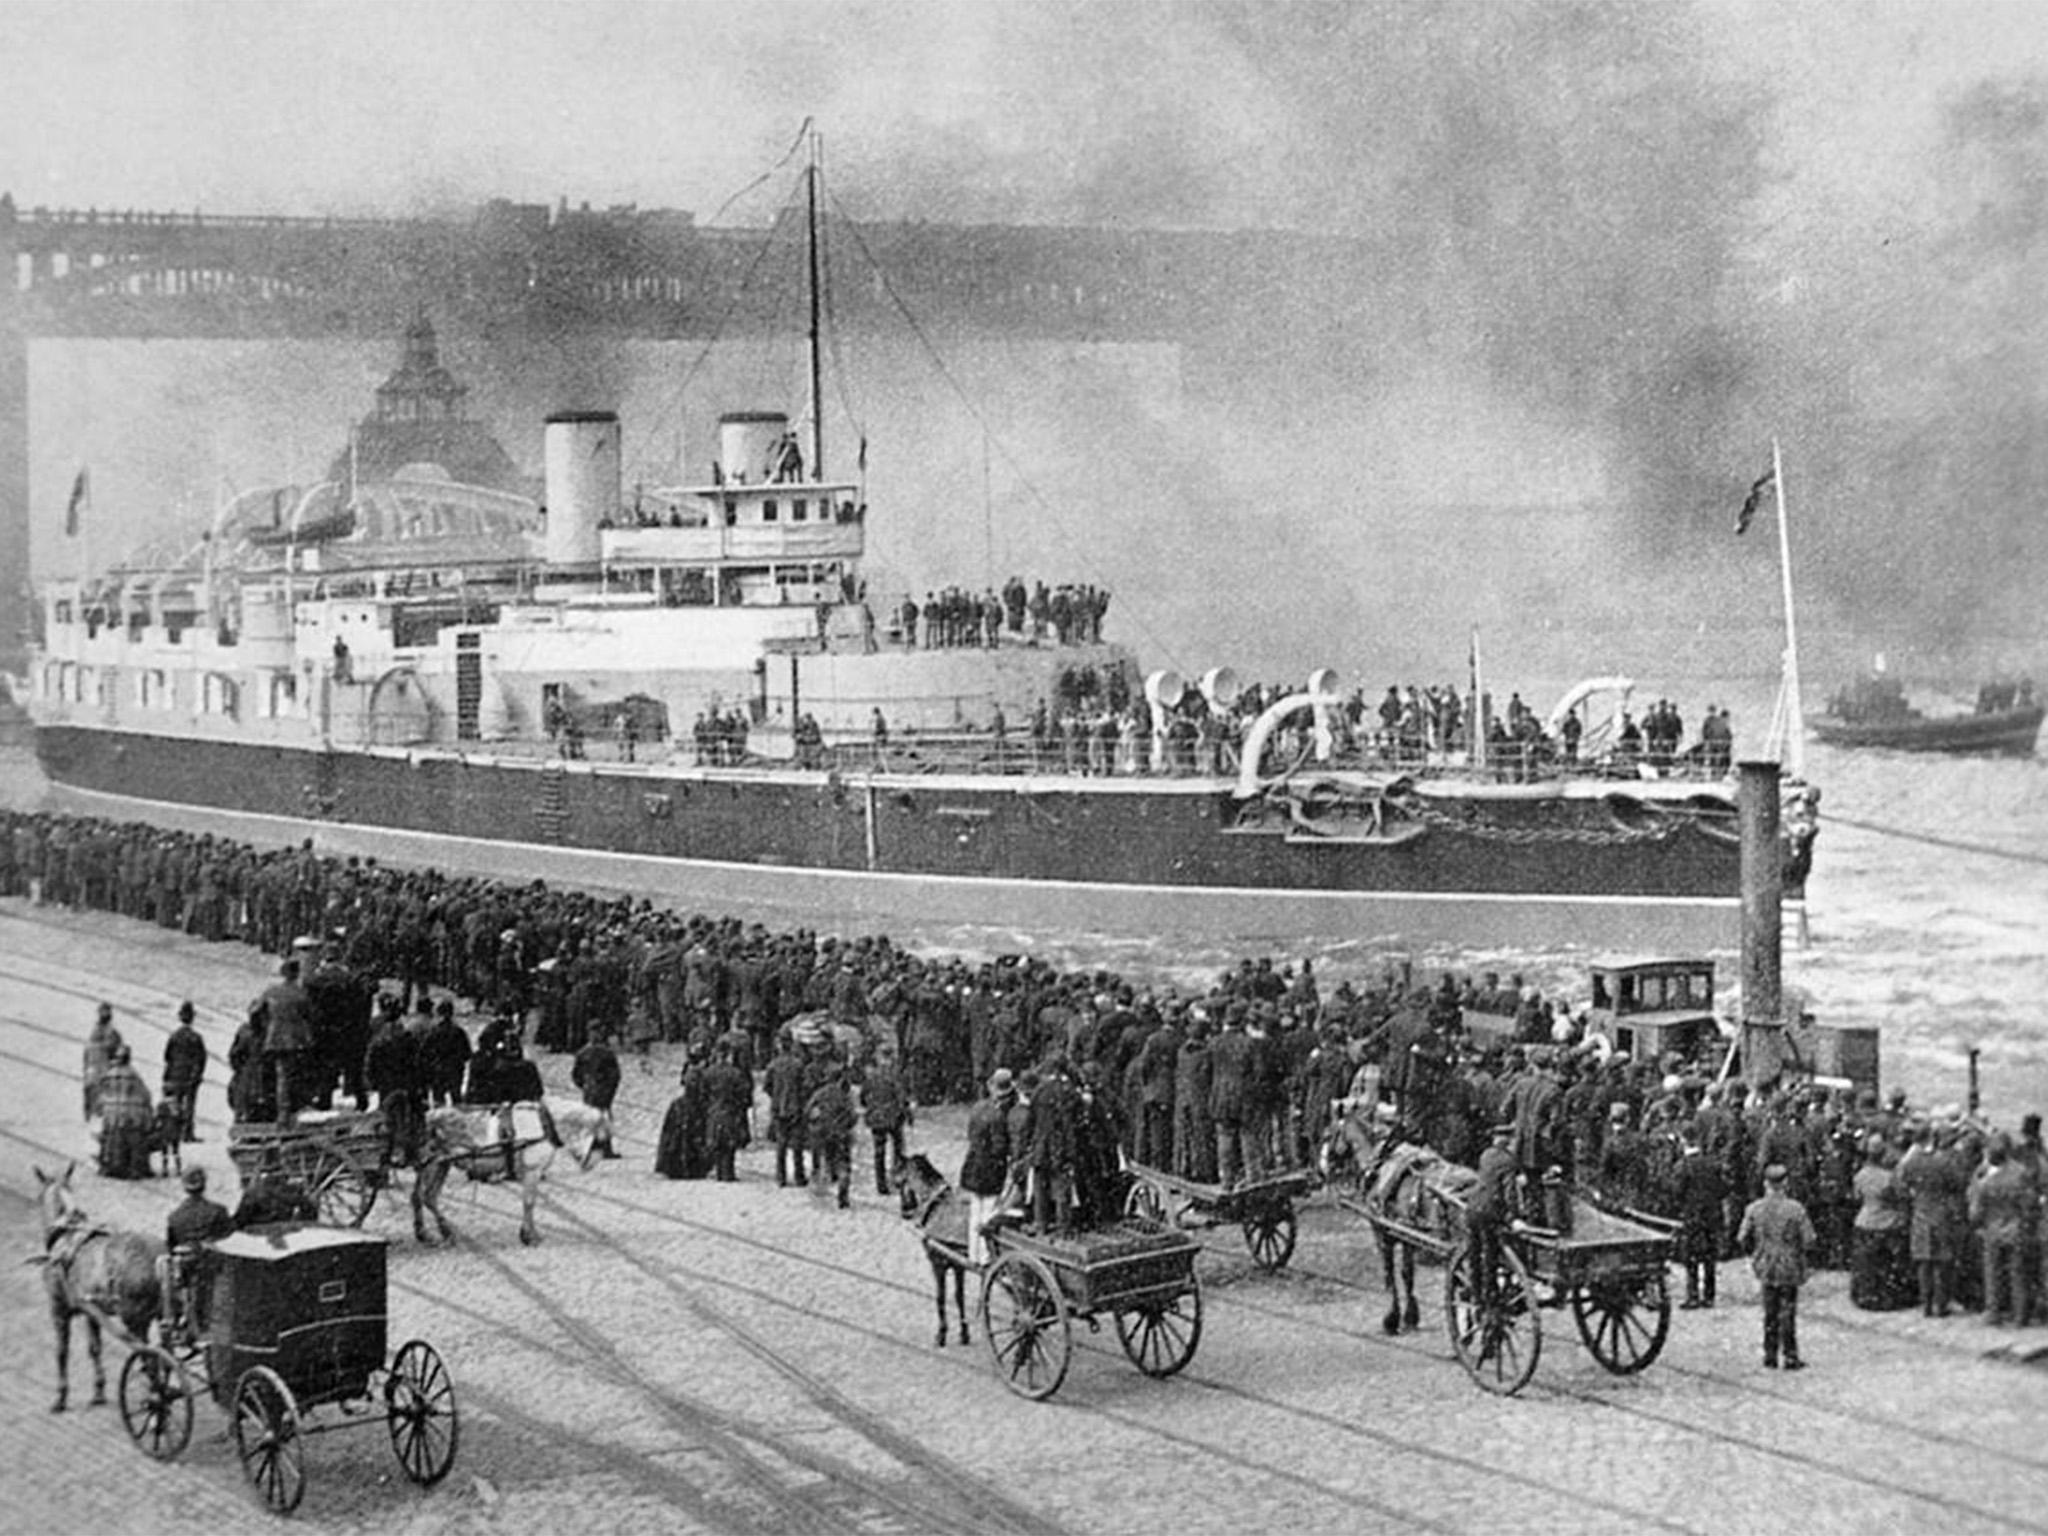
column 513, row 269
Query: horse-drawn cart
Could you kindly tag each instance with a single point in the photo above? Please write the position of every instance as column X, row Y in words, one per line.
column 1607, row 1267
column 341, row 1158
column 1033, row 1286
column 1263, row 1207
column 1609, row 1270
column 275, row 1323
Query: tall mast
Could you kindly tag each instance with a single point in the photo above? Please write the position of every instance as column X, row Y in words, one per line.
column 817, row 365
column 1795, row 721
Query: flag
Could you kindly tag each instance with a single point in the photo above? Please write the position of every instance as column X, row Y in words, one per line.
column 1749, row 502
column 81, row 498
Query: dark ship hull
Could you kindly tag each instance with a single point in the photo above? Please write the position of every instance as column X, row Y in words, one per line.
column 2005, row 732
column 1137, row 856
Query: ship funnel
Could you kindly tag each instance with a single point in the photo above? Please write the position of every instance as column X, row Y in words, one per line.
column 1222, row 688
column 750, row 446
column 1163, row 691
column 582, row 450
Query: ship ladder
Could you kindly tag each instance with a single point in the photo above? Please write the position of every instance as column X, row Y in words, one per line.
column 552, row 812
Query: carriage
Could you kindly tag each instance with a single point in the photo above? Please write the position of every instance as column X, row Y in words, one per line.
column 1263, row 1208
column 276, row 1323
column 341, row 1158
column 1035, row 1286
column 1605, row 1265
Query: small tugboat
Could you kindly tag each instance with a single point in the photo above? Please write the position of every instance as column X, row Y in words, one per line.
column 1874, row 712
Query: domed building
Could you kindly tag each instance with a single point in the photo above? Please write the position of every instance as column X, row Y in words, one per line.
column 418, row 430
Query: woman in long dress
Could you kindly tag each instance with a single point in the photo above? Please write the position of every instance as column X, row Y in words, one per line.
column 682, row 1152
column 99, row 1055
column 127, row 1117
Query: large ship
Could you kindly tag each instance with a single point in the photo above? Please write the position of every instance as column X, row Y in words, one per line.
column 685, row 692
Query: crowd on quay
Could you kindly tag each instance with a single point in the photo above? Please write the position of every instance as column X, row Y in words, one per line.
column 1934, row 1208
column 1064, row 1068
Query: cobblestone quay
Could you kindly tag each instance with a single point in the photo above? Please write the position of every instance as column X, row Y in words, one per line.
column 693, row 1356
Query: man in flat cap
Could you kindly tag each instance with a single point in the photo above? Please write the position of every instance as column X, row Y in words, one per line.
column 1778, row 1232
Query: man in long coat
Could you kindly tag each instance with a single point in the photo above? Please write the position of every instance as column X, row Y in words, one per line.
column 728, row 1101
column 1778, row 1232
column 184, row 1067
column 596, row 1073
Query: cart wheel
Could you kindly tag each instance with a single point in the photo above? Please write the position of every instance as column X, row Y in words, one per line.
column 1162, row 1339
column 1024, row 1319
column 156, row 1402
column 1624, row 1320
column 267, row 1439
column 419, row 1408
column 1497, row 1343
column 340, row 1190
column 1269, row 1233
column 1143, row 1204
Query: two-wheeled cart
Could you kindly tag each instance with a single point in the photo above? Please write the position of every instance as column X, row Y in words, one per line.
column 1262, row 1207
column 276, row 1324
column 1035, row 1286
column 341, row 1158
column 1608, row 1269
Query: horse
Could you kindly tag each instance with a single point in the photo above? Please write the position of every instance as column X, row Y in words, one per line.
column 92, row 1271
column 930, row 1204
column 496, row 1143
column 1398, row 1184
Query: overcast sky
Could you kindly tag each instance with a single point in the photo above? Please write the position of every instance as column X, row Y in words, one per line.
column 1620, row 244
column 310, row 106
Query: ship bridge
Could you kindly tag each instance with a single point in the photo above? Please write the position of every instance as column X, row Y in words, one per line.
column 763, row 532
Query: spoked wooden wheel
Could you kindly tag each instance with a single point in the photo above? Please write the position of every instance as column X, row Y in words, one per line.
column 1269, row 1233
column 267, row 1439
column 1162, row 1339
column 1143, row 1204
column 1498, row 1339
column 156, row 1402
column 1024, row 1319
column 339, row 1188
column 419, row 1410
column 1624, row 1320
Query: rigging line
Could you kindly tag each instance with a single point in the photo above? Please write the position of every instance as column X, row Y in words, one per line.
column 829, row 283
column 974, row 411
column 1959, row 844
column 735, row 294
column 761, row 249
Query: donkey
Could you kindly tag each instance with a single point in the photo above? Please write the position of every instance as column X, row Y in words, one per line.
column 940, row 1217
column 499, row 1143
column 92, row 1271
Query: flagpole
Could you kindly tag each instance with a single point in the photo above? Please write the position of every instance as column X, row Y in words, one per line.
column 1795, row 718
column 1477, row 755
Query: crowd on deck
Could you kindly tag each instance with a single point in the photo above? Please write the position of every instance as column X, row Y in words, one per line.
column 1069, row 614
column 1094, row 725
column 1249, row 1075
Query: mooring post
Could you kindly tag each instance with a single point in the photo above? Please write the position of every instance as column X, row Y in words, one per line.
column 1763, row 934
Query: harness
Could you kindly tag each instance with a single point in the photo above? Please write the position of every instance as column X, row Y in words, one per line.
column 67, row 1236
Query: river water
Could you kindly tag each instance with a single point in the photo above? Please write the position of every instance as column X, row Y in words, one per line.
column 1926, row 916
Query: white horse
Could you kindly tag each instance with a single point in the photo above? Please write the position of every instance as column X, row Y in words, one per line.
column 500, row 1143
